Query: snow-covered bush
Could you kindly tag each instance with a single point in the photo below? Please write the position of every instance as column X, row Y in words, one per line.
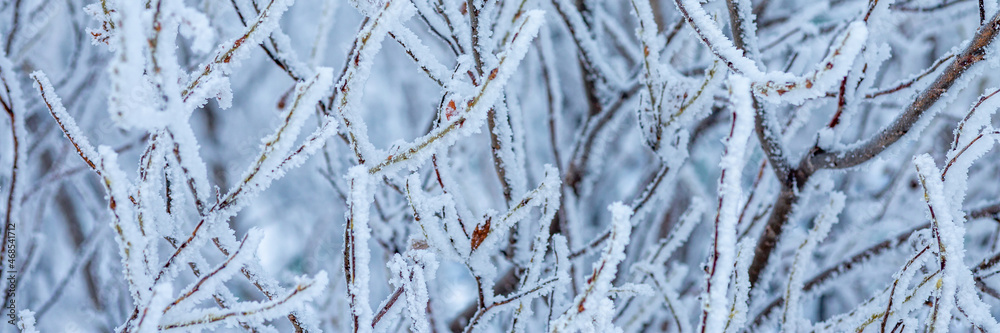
column 488, row 165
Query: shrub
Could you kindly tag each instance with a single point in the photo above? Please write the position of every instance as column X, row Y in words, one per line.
column 482, row 165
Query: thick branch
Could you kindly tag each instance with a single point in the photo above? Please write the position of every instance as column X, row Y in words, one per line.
column 840, row 159
column 818, row 158
column 768, row 138
column 820, row 280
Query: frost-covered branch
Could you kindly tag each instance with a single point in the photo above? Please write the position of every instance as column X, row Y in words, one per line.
column 471, row 150
column 723, row 257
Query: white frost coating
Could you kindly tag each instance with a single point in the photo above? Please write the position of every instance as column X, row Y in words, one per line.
column 252, row 312
column 693, row 110
column 310, row 145
column 209, row 86
column 630, row 290
column 164, row 76
column 195, row 27
column 871, row 59
column 412, row 278
column 974, row 136
column 151, row 314
column 149, row 204
column 214, row 278
column 187, row 157
column 741, row 286
column 448, row 170
column 975, row 309
column 520, row 209
column 951, row 250
column 666, row 132
column 130, row 238
column 943, row 102
column 506, row 16
column 749, row 28
column 317, row 139
column 68, row 124
column 563, row 265
column 162, row 70
column 453, row 14
column 282, row 43
column 515, row 175
column 912, row 299
column 26, row 321
column 949, row 239
column 352, row 82
column 903, row 277
column 206, row 80
column 418, row 297
column 778, row 87
column 549, row 208
column 791, row 319
column 589, row 46
column 784, row 87
column 127, row 101
column 450, row 197
column 651, row 44
column 275, row 148
column 957, row 168
column 486, row 44
column 593, row 303
column 721, row 265
column 368, row 7
column 977, row 120
column 469, row 121
column 437, row 232
column 420, row 52
column 966, row 149
column 721, row 46
column 680, row 234
column 356, row 251
column 435, row 22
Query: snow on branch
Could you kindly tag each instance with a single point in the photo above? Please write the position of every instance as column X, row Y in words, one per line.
column 778, row 86
column 473, row 112
column 211, row 80
column 351, row 82
column 304, row 291
column 487, row 166
column 357, row 255
column 948, row 232
column 131, row 243
column 791, row 319
column 723, row 257
column 591, row 310
column 276, row 147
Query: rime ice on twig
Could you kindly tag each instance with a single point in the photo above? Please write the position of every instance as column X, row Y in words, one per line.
column 791, row 319
column 591, row 309
column 723, row 258
column 211, row 80
column 473, row 231
column 357, row 256
column 470, row 119
column 778, row 86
